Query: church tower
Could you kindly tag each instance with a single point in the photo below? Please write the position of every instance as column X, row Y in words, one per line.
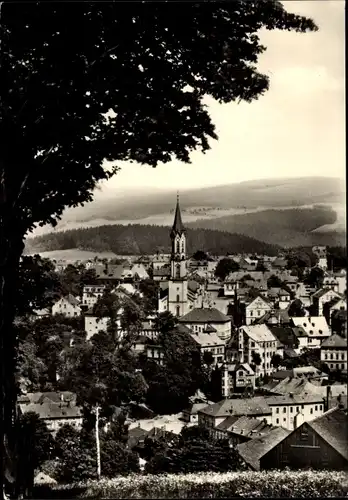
column 177, row 285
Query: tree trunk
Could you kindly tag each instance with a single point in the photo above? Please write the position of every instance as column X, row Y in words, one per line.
column 11, row 248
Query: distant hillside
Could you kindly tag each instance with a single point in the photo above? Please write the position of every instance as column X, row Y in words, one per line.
column 131, row 207
column 288, row 228
column 141, row 239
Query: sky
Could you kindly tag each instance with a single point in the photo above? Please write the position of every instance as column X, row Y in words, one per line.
column 296, row 129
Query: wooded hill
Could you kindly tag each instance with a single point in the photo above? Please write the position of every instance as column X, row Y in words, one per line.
column 145, row 239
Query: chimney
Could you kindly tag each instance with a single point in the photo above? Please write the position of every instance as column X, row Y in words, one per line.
column 328, row 394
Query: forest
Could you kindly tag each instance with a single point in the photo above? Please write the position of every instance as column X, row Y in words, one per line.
column 145, row 239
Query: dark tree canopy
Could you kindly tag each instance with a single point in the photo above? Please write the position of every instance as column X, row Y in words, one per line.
column 225, row 267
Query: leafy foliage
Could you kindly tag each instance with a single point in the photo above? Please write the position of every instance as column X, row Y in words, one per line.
column 225, row 267
column 34, row 446
column 38, row 285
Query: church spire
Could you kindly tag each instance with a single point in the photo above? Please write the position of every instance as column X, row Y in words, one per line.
column 178, row 226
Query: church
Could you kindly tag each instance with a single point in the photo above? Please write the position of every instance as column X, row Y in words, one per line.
column 178, row 294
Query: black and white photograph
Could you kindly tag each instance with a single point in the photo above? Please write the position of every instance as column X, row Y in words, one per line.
column 173, row 261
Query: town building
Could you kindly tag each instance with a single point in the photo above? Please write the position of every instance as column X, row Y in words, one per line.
column 333, row 352
column 256, row 308
column 321, row 297
column 253, row 451
column 315, row 327
column 68, row 306
column 203, row 319
column 55, row 409
column 241, row 429
column 91, row 294
column 95, row 324
column 211, row 416
column 208, row 340
column 321, row 444
column 290, row 410
column 257, row 339
column 236, row 377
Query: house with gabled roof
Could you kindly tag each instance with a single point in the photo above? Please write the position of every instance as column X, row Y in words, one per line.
column 333, row 352
column 322, row 296
column 201, row 318
column 321, row 444
column 241, row 429
column 256, row 308
column 315, row 327
column 236, row 377
column 257, row 339
column 68, row 306
column 211, row 416
column 253, row 451
column 208, row 340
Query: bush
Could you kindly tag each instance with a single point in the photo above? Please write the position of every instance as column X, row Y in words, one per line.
column 266, row 484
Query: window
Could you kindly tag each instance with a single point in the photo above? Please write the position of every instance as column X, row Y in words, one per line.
column 284, row 410
column 284, row 419
column 177, row 272
column 178, row 310
column 258, row 313
column 251, row 313
column 316, row 408
column 321, row 407
column 331, row 366
column 342, row 356
column 320, row 331
column 331, row 356
column 297, row 409
column 253, row 345
column 291, row 408
column 342, row 366
column 277, row 410
column 277, row 420
column 325, row 356
column 178, row 298
column 311, row 411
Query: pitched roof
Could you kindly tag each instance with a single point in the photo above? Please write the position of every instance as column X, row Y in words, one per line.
column 50, row 410
column 162, row 271
column 287, row 399
column 335, row 341
column 332, row 426
column 240, row 407
column 245, row 426
column 207, row 339
column 252, row 451
column 285, row 335
column 72, row 300
column 204, row 315
column 323, row 291
column 193, row 285
column 314, row 326
column 259, row 333
column 54, row 397
column 178, row 226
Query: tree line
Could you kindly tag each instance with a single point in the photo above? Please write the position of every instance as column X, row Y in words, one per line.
column 148, row 239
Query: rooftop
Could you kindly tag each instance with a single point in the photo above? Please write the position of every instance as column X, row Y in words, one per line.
column 335, row 341
column 259, row 333
column 204, row 315
column 239, row 407
column 333, row 428
column 252, row 451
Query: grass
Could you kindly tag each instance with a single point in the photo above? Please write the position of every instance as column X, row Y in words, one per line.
column 265, row 484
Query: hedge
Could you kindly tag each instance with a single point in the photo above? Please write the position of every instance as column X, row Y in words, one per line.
column 269, row 484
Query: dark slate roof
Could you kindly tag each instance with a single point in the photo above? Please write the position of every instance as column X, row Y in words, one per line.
column 178, row 226
column 50, row 411
column 333, row 428
column 240, row 407
column 204, row 315
column 252, row 451
column 193, row 285
column 285, row 335
column 245, row 426
column 335, row 341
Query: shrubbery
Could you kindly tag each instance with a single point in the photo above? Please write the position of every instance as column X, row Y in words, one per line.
column 271, row 484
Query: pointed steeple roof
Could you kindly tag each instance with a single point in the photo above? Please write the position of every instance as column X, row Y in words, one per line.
column 178, row 226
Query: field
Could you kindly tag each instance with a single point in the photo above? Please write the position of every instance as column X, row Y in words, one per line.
column 265, row 484
column 74, row 254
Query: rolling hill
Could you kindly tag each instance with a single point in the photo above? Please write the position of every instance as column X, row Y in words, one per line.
column 155, row 207
column 142, row 239
column 288, row 228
